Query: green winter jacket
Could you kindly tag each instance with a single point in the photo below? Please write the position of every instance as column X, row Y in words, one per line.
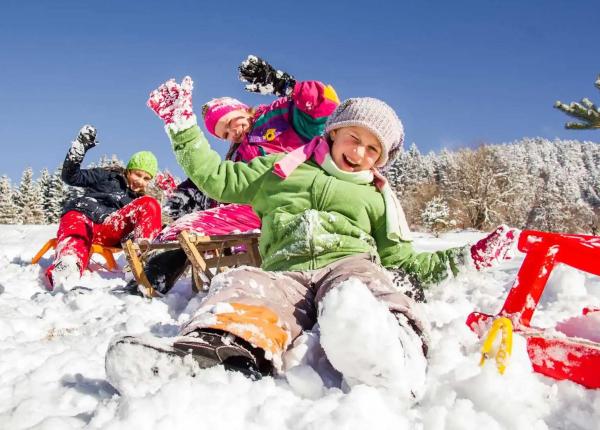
column 310, row 219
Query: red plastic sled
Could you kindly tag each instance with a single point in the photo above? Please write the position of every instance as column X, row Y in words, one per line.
column 559, row 357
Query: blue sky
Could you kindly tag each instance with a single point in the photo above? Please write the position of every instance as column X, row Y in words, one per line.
column 458, row 73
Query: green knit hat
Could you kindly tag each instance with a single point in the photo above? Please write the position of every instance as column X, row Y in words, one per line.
column 143, row 160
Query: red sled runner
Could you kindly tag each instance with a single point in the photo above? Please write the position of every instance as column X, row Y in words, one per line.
column 556, row 356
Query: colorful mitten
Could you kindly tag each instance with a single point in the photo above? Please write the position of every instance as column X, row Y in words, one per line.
column 172, row 102
column 166, row 182
column 494, row 248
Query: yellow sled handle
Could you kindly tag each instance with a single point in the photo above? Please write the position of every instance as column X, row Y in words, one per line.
column 505, row 349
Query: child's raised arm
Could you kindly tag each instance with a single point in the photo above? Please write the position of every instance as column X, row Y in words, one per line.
column 72, row 173
column 224, row 181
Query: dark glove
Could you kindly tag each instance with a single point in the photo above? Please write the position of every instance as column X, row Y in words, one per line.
column 408, row 284
column 87, row 136
column 264, row 79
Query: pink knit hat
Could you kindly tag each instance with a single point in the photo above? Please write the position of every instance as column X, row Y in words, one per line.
column 213, row 110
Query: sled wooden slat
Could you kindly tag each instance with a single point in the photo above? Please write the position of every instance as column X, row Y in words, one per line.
column 137, row 267
column 199, row 250
column 242, row 237
column 147, row 246
column 206, row 255
column 197, row 281
column 193, row 254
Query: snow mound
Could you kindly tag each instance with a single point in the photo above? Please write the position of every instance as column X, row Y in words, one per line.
column 366, row 343
column 54, row 344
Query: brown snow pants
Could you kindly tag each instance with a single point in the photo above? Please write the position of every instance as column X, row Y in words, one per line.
column 271, row 309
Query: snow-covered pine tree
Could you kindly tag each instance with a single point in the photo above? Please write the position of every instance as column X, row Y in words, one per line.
column 530, row 183
column 111, row 162
column 436, row 215
column 9, row 213
column 44, row 186
column 442, row 164
column 29, row 200
column 585, row 111
column 54, row 198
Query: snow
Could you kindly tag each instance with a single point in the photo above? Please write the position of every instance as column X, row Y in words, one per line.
column 53, row 347
column 373, row 349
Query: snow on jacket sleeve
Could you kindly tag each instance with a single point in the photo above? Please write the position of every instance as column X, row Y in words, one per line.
column 313, row 102
column 428, row 267
column 72, row 173
column 224, row 181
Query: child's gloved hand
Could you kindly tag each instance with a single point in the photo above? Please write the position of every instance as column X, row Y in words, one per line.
column 87, row 137
column 85, row 140
column 172, row 102
column 494, row 248
column 165, row 181
column 264, row 79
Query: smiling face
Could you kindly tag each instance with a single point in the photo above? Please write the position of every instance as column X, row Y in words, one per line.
column 354, row 149
column 138, row 180
column 233, row 126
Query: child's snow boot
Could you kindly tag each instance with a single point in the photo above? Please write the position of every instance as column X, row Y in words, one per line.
column 64, row 274
column 142, row 364
column 136, row 366
column 368, row 344
column 212, row 347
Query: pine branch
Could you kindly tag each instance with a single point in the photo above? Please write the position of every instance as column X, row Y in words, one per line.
column 586, row 111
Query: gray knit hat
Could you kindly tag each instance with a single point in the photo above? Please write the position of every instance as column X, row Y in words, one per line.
column 377, row 117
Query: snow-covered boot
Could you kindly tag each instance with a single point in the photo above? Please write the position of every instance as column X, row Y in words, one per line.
column 212, row 347
column 136, row 365
column 64, row 274
column 142, row 364
column 368, row 344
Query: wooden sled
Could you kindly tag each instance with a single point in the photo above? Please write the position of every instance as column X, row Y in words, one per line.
column 207, row 255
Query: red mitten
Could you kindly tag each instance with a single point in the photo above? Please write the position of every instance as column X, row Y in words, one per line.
column 165, row 181
column 172, row 102
column 494, row 248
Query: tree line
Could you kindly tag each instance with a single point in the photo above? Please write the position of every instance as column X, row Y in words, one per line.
column 40, row 201
column 532, row 183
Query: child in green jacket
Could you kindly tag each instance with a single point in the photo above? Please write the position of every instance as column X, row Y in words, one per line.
column 329, row 220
